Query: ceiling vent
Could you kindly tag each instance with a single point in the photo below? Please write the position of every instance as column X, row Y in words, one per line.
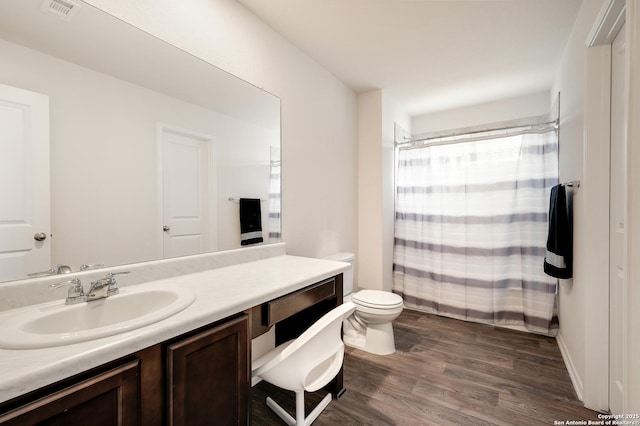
column 63, row 9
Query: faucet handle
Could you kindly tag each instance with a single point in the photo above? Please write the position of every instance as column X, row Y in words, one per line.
column 63, row 269
column 51, row 271
column 113, row 274
column 76, row 291
column 58, row 269
column 86, row 267
column 113, row 285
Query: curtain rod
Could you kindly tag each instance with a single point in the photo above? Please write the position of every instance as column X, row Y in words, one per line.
column 237, row 200
column 421, row 143
column 518, row 124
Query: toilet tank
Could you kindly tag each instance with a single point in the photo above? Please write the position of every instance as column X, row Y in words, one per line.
column 347, row 281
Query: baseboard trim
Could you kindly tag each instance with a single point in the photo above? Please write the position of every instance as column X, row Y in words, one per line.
column 573, row 374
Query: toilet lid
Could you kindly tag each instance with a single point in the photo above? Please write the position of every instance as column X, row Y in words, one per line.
column 377, row 299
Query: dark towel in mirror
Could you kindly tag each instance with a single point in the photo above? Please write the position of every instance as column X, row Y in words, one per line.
column 250, row 221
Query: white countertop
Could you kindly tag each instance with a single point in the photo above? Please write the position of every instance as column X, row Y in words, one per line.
column 220, row 293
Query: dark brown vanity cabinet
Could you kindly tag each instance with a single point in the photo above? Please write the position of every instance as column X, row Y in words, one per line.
column 208, row 377
column 201, row 378
column 109, row 398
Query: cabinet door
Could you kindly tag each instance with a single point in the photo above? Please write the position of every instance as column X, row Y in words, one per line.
column 108, row 399
column 208, row 377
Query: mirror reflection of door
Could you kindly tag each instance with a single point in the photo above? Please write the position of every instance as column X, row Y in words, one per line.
column 188, row 216
column 25, row 243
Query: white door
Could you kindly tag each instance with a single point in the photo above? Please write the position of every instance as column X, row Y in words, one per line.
column 186, row 187
column 617, row 226
column 25, row 226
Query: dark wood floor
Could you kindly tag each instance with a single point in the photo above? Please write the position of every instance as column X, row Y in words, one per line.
column 445, row 372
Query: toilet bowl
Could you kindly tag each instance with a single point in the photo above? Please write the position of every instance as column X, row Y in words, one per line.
column 369, row 328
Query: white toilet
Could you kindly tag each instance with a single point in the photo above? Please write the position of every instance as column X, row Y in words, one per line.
column 369, row 327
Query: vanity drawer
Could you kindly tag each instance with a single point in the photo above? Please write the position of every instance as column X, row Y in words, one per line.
column 286, row 306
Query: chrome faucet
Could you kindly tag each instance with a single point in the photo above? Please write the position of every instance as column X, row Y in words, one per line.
column 76, row 292
column 63, row 269
column 59, row 269
column 86, row 267
column 104, row 287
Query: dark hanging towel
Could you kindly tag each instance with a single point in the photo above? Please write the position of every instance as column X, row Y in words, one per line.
column 558, row 260
column 250, row 221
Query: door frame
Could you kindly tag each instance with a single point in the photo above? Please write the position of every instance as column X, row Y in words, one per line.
column 595, row 390
column 618, row 238
column 632, row 391
column 212, row 187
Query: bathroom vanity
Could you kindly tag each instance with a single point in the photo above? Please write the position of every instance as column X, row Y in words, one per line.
column 191, row 368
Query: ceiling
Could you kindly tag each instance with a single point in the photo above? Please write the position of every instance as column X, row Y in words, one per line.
column 430, row 55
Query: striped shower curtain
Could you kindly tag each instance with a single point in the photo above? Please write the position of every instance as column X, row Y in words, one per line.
column 471, row 226
column 275, row 233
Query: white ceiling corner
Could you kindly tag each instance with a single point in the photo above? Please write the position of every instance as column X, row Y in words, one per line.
column 430, row 55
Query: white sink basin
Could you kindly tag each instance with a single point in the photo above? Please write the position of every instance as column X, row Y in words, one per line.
column 57, row 324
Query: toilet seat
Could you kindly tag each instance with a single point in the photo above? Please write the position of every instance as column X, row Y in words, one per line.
column 377, row 299
column 379, row 312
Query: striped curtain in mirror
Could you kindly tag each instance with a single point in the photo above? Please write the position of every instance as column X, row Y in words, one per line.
column 275, row 233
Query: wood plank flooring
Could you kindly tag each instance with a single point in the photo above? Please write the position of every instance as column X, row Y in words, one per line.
column 445, row 372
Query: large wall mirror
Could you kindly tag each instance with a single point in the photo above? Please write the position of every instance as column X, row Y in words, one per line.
column 118, row 148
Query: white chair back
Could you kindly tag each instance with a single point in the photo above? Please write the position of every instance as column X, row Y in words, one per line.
column 313, row 359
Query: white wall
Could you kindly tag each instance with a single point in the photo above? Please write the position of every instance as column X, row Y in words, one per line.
column 242, row 155
column 369, row 272
column 377, row 114
column 571, row 82
column 319, row 150
column 582, row 79
column 104, row 161
column 487, row 113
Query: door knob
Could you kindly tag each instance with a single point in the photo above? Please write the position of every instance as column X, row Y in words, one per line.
column 166, row 228
column 40, row 236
